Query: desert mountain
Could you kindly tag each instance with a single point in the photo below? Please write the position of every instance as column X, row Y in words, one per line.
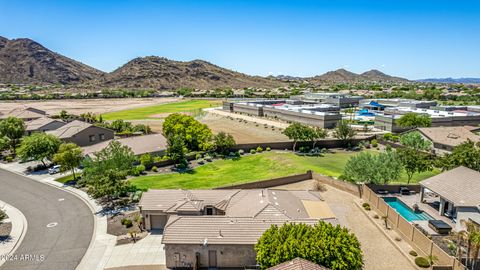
column 161, row 73
column 342, row 75
column 26, row 61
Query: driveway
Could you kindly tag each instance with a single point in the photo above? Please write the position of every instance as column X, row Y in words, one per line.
column 60, row 225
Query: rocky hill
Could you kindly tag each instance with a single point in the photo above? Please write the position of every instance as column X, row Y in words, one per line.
column 161, row 73
column 24, row 61
column 345, row 76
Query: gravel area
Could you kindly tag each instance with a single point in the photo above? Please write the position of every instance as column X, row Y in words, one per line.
column 379, row 252
column 5, row 229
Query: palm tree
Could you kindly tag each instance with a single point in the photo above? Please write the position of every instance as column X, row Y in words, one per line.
column 475, row 247
column 470, row 236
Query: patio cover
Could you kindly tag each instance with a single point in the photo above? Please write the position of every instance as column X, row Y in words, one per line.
column 461, row 186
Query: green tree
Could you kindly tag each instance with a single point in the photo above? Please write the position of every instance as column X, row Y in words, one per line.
column 69, row 156
column 318, row 134
column 13, row 129
column 416, row 141
column 109, row 186
column 466, row 154
column 38, row 146
column 298, row 132
column 4, row 143
column 197, row 136
column 176, row 149
column 414, row 120
column 223, row 142
column 343, row 131
column 331, row 246
column 115, row 157
column 373, row 168
column 414, row 161
column 3, row 216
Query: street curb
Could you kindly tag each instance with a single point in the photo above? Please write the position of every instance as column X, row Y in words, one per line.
column 23, row 230
column 61, row 186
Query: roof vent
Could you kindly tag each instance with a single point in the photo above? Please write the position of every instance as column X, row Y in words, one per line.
column 220, row 235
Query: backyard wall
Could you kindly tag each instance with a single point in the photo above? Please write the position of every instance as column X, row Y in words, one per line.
column 394, row 188
column 339, row 184
column 421, row 243
column 272, row 182
column 289, row 145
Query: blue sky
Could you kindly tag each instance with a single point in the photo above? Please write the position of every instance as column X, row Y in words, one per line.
column 409, row 38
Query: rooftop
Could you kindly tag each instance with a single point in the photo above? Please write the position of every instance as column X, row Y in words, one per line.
column 461, row 186
column 451, row 136
column 298, row 264
column 70, row 129
column 139, row 144
column 39, row 122
column 24, row 113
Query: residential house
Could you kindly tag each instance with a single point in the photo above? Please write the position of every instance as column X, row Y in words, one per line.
column 219, row 228
column 446, row 138
column 297, row 264
column 82, row 133
column 42, row 124
column 26, row 114
column 152, row 144
column 458, row 192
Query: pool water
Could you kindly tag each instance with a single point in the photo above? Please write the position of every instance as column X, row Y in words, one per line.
column 405, row 211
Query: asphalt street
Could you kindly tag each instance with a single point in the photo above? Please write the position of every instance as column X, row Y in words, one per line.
column 60, row 225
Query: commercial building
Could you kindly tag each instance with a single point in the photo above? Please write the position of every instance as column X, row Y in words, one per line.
column 219, row 228
column 383, row 103
column 314, row 114
column 387, row 119
column 337, row 99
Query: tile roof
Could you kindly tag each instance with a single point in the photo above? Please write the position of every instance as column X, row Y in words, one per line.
column 39, row 122
column 139, row 144
column 70, row 129
column 451, row 136
column 206, row 230
column 24, row 113
column 297, row 264
column 461, row 186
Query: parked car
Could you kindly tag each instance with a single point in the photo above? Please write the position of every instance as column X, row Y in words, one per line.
column 55, row 169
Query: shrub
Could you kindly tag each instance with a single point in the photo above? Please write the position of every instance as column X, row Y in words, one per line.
column 237, row 154
column 155, row 169
column 201, row 161
column 127, row 222
column 395, row 138
column 422, row 262
column 252, row 151
column 198, row 156
column 241, row 152
column 398, row 239
column 259, row 149
column 208, row 157
column 387, row 136
column 268, row 148
column 376, row 217
column 8, row 158
column 324, row 151
column 413, row 253
column 146, row 160
column 388, row 147
column 365, row 205
column 374, row 143
column 157, row 159
column 140, row 168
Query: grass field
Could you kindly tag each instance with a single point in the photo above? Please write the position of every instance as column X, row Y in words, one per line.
column 150, row 112
column 252, row 168
column 65, row 179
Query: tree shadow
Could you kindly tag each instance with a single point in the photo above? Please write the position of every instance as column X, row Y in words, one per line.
column 5, row 239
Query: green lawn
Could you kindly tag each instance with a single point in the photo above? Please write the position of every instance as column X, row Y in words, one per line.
column 65, row 179
column 149, row 111
column 252, row 168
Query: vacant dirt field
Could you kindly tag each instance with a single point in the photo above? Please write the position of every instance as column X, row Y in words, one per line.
column 78, row 106
column 243, row 131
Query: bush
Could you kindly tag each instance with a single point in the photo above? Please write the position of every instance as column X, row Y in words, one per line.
column 374, row 143
column 208, row 158
column 366, row 206
column 146, row 160
column 157, row 159
column 252, row 151
column 198, row 156
column 241, row 152
column 237, row 154
column 155, row 169
column 387, row 136
column 127, row 222
column 140, row 168
column 376, row 217
column 422, row 262
column 395, row 138
column 413, row 253
column 259, row 149
column 8, row 158
column 268, row 148
column 201, row 161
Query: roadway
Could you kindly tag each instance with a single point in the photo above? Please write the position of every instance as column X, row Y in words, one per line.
column 60, row 225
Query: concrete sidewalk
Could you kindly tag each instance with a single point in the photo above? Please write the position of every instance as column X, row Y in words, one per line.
column 19, row 228
column 102, row 244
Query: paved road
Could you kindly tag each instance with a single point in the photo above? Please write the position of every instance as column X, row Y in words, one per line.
column 65, row 241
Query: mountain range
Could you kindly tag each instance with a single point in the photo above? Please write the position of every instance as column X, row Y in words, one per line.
column 24, row 61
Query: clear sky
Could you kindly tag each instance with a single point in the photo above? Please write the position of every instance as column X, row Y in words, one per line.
column 409, row 38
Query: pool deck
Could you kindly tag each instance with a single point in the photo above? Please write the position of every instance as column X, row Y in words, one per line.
column 410, row 200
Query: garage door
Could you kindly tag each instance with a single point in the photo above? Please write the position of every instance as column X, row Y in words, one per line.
column 158, row 221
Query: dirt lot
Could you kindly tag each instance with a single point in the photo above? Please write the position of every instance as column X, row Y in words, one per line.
column 78, row 106
column 243, row 131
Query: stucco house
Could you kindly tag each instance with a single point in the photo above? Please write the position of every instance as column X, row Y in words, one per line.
column 446, row 138
column 82, row 133
column 42, row 124
column 26, row 114
column 152, row 144
column 219, row 228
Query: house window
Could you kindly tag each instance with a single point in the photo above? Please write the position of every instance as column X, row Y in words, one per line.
column 92, row 138
column 102, row 137
column 209, row 211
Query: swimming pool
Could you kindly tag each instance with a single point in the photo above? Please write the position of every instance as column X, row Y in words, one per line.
column 405, row 211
